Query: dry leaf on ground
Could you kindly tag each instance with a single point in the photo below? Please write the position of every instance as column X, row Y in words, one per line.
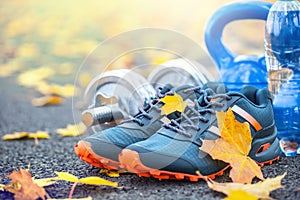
column 172, row 103
column 9, row 68
column 240, row 194
column 261, row 189
column 24, row 187
column 55, row 89
column 34, row 77
column 233, row 147
column 20, row 135
column 15, row 136
column 91, row 180
column 112, row 173
column 72, row 130
column 43, row 182
column 47, row 100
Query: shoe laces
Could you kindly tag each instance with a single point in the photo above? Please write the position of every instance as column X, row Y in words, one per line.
column 195, row 113
column 149, row 104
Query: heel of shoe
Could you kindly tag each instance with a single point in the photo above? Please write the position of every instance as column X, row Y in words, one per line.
column 266, row 150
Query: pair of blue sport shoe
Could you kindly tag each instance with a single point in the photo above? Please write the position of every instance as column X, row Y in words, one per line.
column 167, row 146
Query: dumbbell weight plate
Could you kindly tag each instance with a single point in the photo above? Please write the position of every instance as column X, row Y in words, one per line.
column 179, row 72
column 126, row 87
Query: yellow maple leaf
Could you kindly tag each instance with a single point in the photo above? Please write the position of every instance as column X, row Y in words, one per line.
column 9, row 68
column 39, row 135
column 34, row 77
column 240, row 194
column 94, row 180
column 112, row 173
column 260, row 190
column 47, row 100
column 172, row 103
column 15, row 136
column 43, row 182
column 233, row 147
column 67, row 177
column 54, row 89
column 72, row 130
column 91, row 180
column 20, row 135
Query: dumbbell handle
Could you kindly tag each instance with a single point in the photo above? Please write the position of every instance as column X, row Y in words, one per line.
column 102, row 114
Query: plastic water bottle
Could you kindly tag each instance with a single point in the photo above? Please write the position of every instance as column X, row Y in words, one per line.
column 282, row 52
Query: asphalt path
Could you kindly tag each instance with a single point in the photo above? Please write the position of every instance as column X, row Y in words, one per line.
column 56, row 154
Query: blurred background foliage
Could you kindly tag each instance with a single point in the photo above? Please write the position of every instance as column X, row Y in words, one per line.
column 60, row 34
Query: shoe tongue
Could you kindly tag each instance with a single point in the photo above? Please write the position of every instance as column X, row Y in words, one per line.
column 218, row 88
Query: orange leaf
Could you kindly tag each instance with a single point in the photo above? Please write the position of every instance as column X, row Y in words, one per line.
column 23, row 186
column 233, row 147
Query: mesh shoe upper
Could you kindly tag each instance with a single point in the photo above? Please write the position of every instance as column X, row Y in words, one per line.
column 109, row 143
column 175, row 147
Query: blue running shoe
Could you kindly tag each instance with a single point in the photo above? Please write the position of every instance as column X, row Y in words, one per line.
column 102, row 149
column 173, row 152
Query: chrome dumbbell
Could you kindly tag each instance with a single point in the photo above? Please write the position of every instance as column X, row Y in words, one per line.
column 118, row 93
column 179, row 72
column 113, row 95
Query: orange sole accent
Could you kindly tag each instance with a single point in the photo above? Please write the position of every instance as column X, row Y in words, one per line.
column 269, row 162
column 130, row 160
column 84, row 151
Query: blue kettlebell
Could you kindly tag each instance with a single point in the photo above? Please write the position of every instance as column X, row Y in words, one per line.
column 236, row 70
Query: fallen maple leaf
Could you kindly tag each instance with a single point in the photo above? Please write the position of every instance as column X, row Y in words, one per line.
column 260, row 190
column 112, row 173
column 240, row 194
column 15, row 136
column 233, row 147
column 72, row 130
column 47, row 100
column 54, row 89
column 34, row 77
column 9, row 68
column 43, row 182
column 39, row 135
column 172, row 103
column 92, row 180
column 23, row 187
column 21, row 135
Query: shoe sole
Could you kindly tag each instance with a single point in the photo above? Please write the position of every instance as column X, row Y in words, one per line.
column 85, row 152
column 130, row 160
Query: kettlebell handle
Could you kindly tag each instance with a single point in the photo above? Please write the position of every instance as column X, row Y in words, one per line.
column 231, row 12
